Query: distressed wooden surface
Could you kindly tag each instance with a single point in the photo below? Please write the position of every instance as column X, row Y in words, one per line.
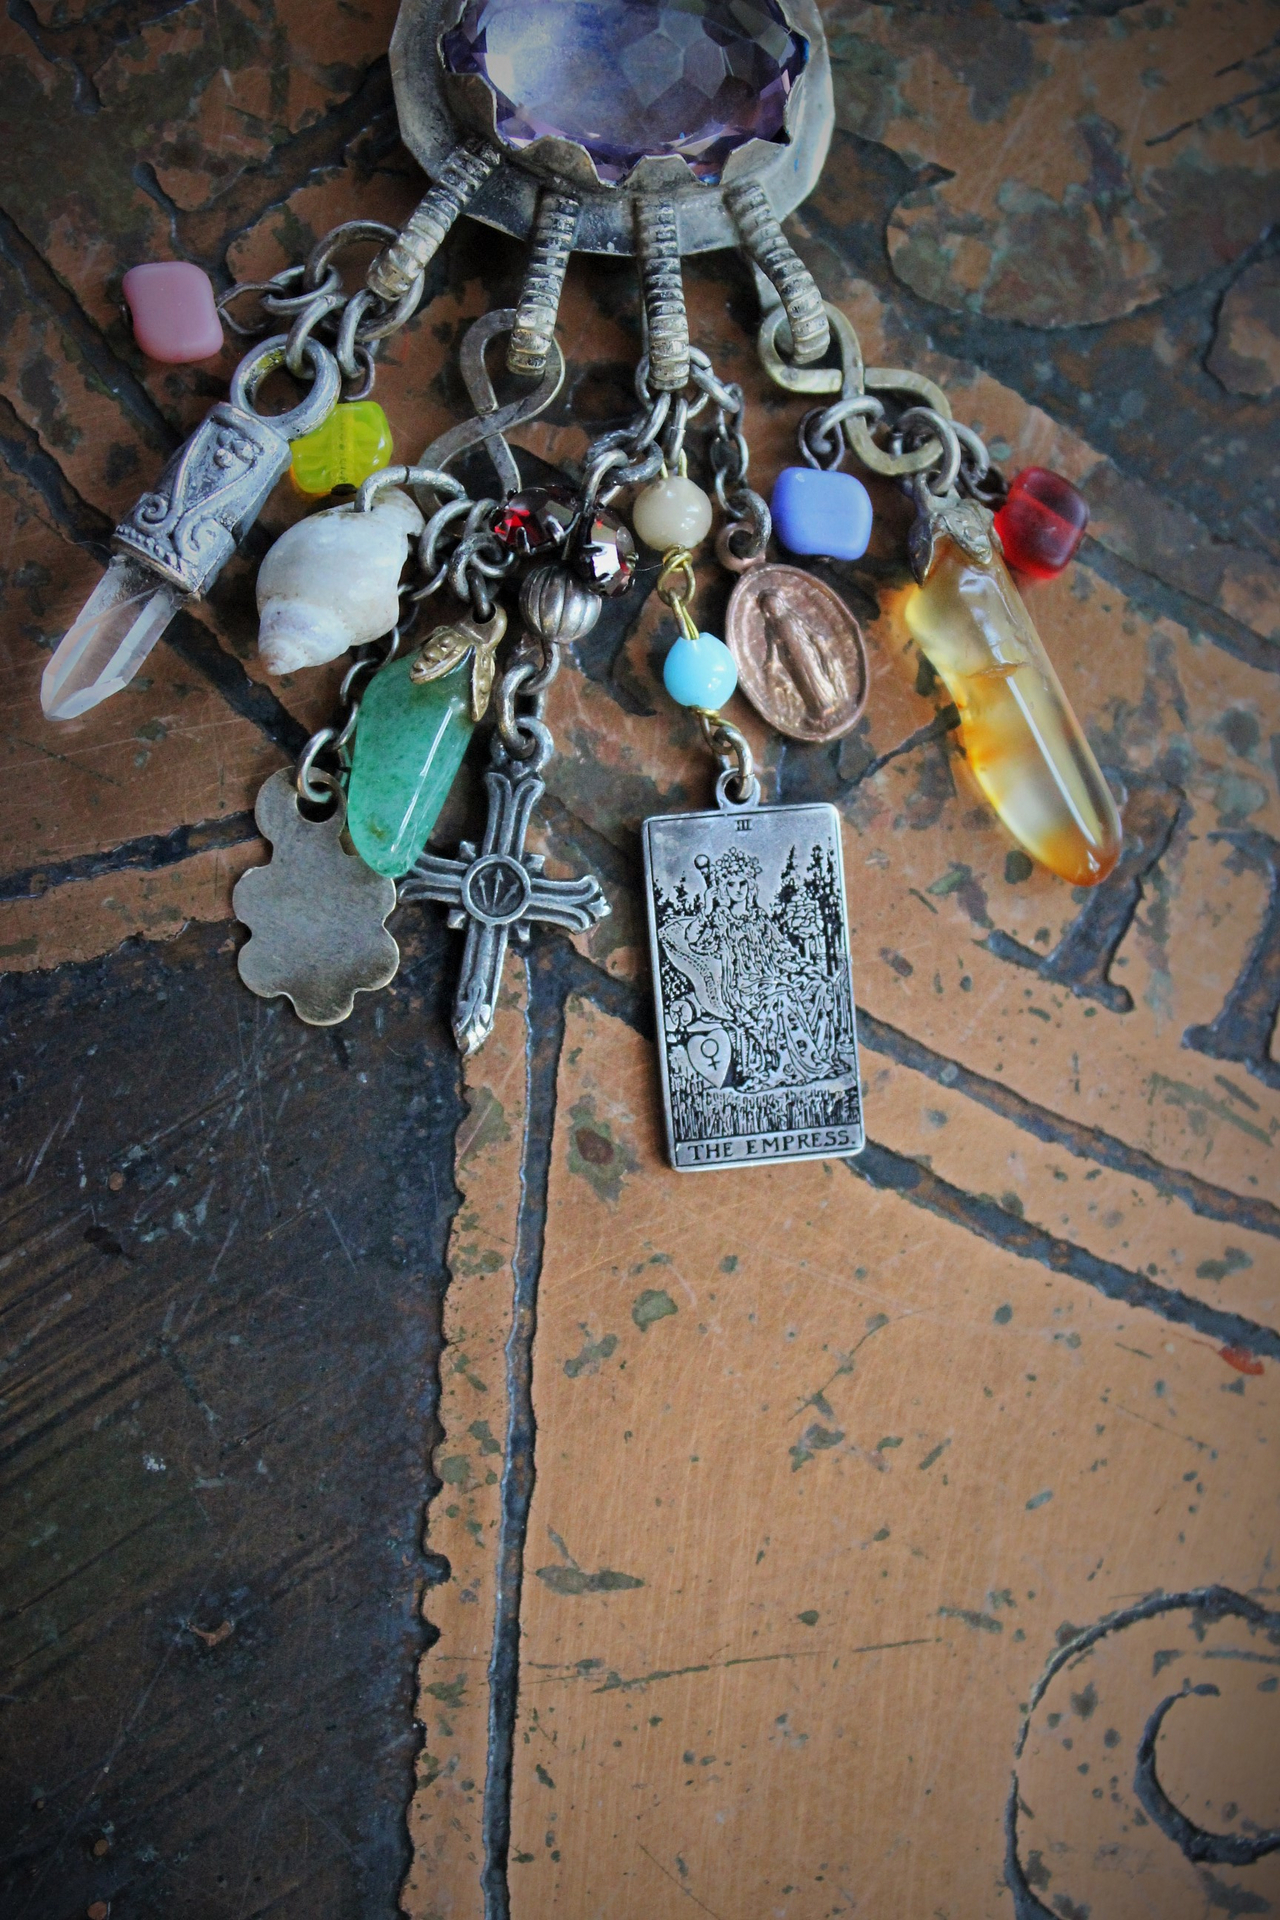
column 877, row 1505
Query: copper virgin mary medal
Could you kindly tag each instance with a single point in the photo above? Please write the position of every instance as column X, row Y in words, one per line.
column 800, row 654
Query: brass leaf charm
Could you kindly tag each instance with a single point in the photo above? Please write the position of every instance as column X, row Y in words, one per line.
column 447, row 647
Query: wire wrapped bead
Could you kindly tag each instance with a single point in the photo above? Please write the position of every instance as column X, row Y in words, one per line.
column 700, row 672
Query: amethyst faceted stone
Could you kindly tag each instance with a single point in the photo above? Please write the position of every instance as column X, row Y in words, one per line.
column 630, row 79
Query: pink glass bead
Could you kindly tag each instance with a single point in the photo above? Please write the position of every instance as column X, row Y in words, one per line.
column 1041, row 523
column 174, row 315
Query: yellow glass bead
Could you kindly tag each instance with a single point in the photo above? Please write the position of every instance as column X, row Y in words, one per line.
column 354, row 442
column 1023, row 744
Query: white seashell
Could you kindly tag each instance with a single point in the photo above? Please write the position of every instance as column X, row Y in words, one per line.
column 330, row 582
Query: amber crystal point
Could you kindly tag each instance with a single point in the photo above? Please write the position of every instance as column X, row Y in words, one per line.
column 1023, row 744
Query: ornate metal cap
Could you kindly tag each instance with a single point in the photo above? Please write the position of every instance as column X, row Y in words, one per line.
column 964, row 521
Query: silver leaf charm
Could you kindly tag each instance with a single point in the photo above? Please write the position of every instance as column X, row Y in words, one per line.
column 316, row 913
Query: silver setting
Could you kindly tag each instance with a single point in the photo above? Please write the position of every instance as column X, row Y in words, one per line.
column 216, row 484
column 186, row 528
column 434, row 107
column 757, row 1040
column 498, row 890
column 535, row 321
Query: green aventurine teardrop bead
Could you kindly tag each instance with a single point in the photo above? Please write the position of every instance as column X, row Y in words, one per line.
column 408, row 747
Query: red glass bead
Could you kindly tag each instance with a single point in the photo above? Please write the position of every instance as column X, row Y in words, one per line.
column 538, row 518
column 1041, row 523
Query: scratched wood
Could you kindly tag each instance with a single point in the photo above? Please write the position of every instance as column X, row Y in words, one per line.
column 875, row 1509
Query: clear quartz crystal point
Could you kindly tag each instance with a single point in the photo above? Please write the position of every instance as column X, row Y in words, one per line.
column 119, row 624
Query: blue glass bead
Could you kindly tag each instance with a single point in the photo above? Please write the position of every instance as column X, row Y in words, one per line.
column 700, row 673
column 815, row 511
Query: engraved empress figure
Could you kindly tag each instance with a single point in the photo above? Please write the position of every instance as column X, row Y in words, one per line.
column 760, row 1009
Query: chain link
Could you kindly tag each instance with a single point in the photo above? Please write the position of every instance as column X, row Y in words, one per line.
column 922, row 443
column 524, row 734
column 738, row 784
column 656, row 438
column 966, row 460
column 315, row 783
column 821, row 436
column 276, row 301
column 311, row 297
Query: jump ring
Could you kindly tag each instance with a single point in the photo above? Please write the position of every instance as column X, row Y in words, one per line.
column 310, row 412
column 748, row 786
column 348, row 234
column 307, row 778
column 307, row 321
column 360, row 385
column 284, row 305
column 819, row 447
column 390, row 322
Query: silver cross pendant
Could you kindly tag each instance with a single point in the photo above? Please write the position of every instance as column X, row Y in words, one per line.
column 500, row 890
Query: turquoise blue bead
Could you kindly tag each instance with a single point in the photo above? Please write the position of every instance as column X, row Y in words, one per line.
column 817, row 511
column 701, row 672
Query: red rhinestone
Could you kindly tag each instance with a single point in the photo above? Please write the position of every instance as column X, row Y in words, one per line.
column 538, row 518
column 605, row 553
column 1041, row 523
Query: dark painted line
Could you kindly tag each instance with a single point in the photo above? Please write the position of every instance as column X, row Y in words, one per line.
column 544, row 1043
column 632, row 1005
column 624, row 1000
column 947, row 719
column 882, row 1167
column 556, row 971
column 1196, row 1842
column 1209, row 1604
column 192, row 641
column 606, row 859
column 1086, row 1143
column 321, row 144
column 21, row 451
column 150, row 851
column 85, row 97
column 88, row 344
column 1156, row 596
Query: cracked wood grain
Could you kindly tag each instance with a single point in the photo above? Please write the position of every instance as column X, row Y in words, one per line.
column 1072, row 1102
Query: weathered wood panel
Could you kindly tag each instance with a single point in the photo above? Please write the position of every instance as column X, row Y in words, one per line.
column 221, row 1250
column 758, row 1524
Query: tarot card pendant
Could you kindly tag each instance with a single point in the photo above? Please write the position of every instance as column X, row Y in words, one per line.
column 756, row 1027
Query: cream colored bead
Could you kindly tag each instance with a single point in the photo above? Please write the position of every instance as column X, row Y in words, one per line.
column 672, row 513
